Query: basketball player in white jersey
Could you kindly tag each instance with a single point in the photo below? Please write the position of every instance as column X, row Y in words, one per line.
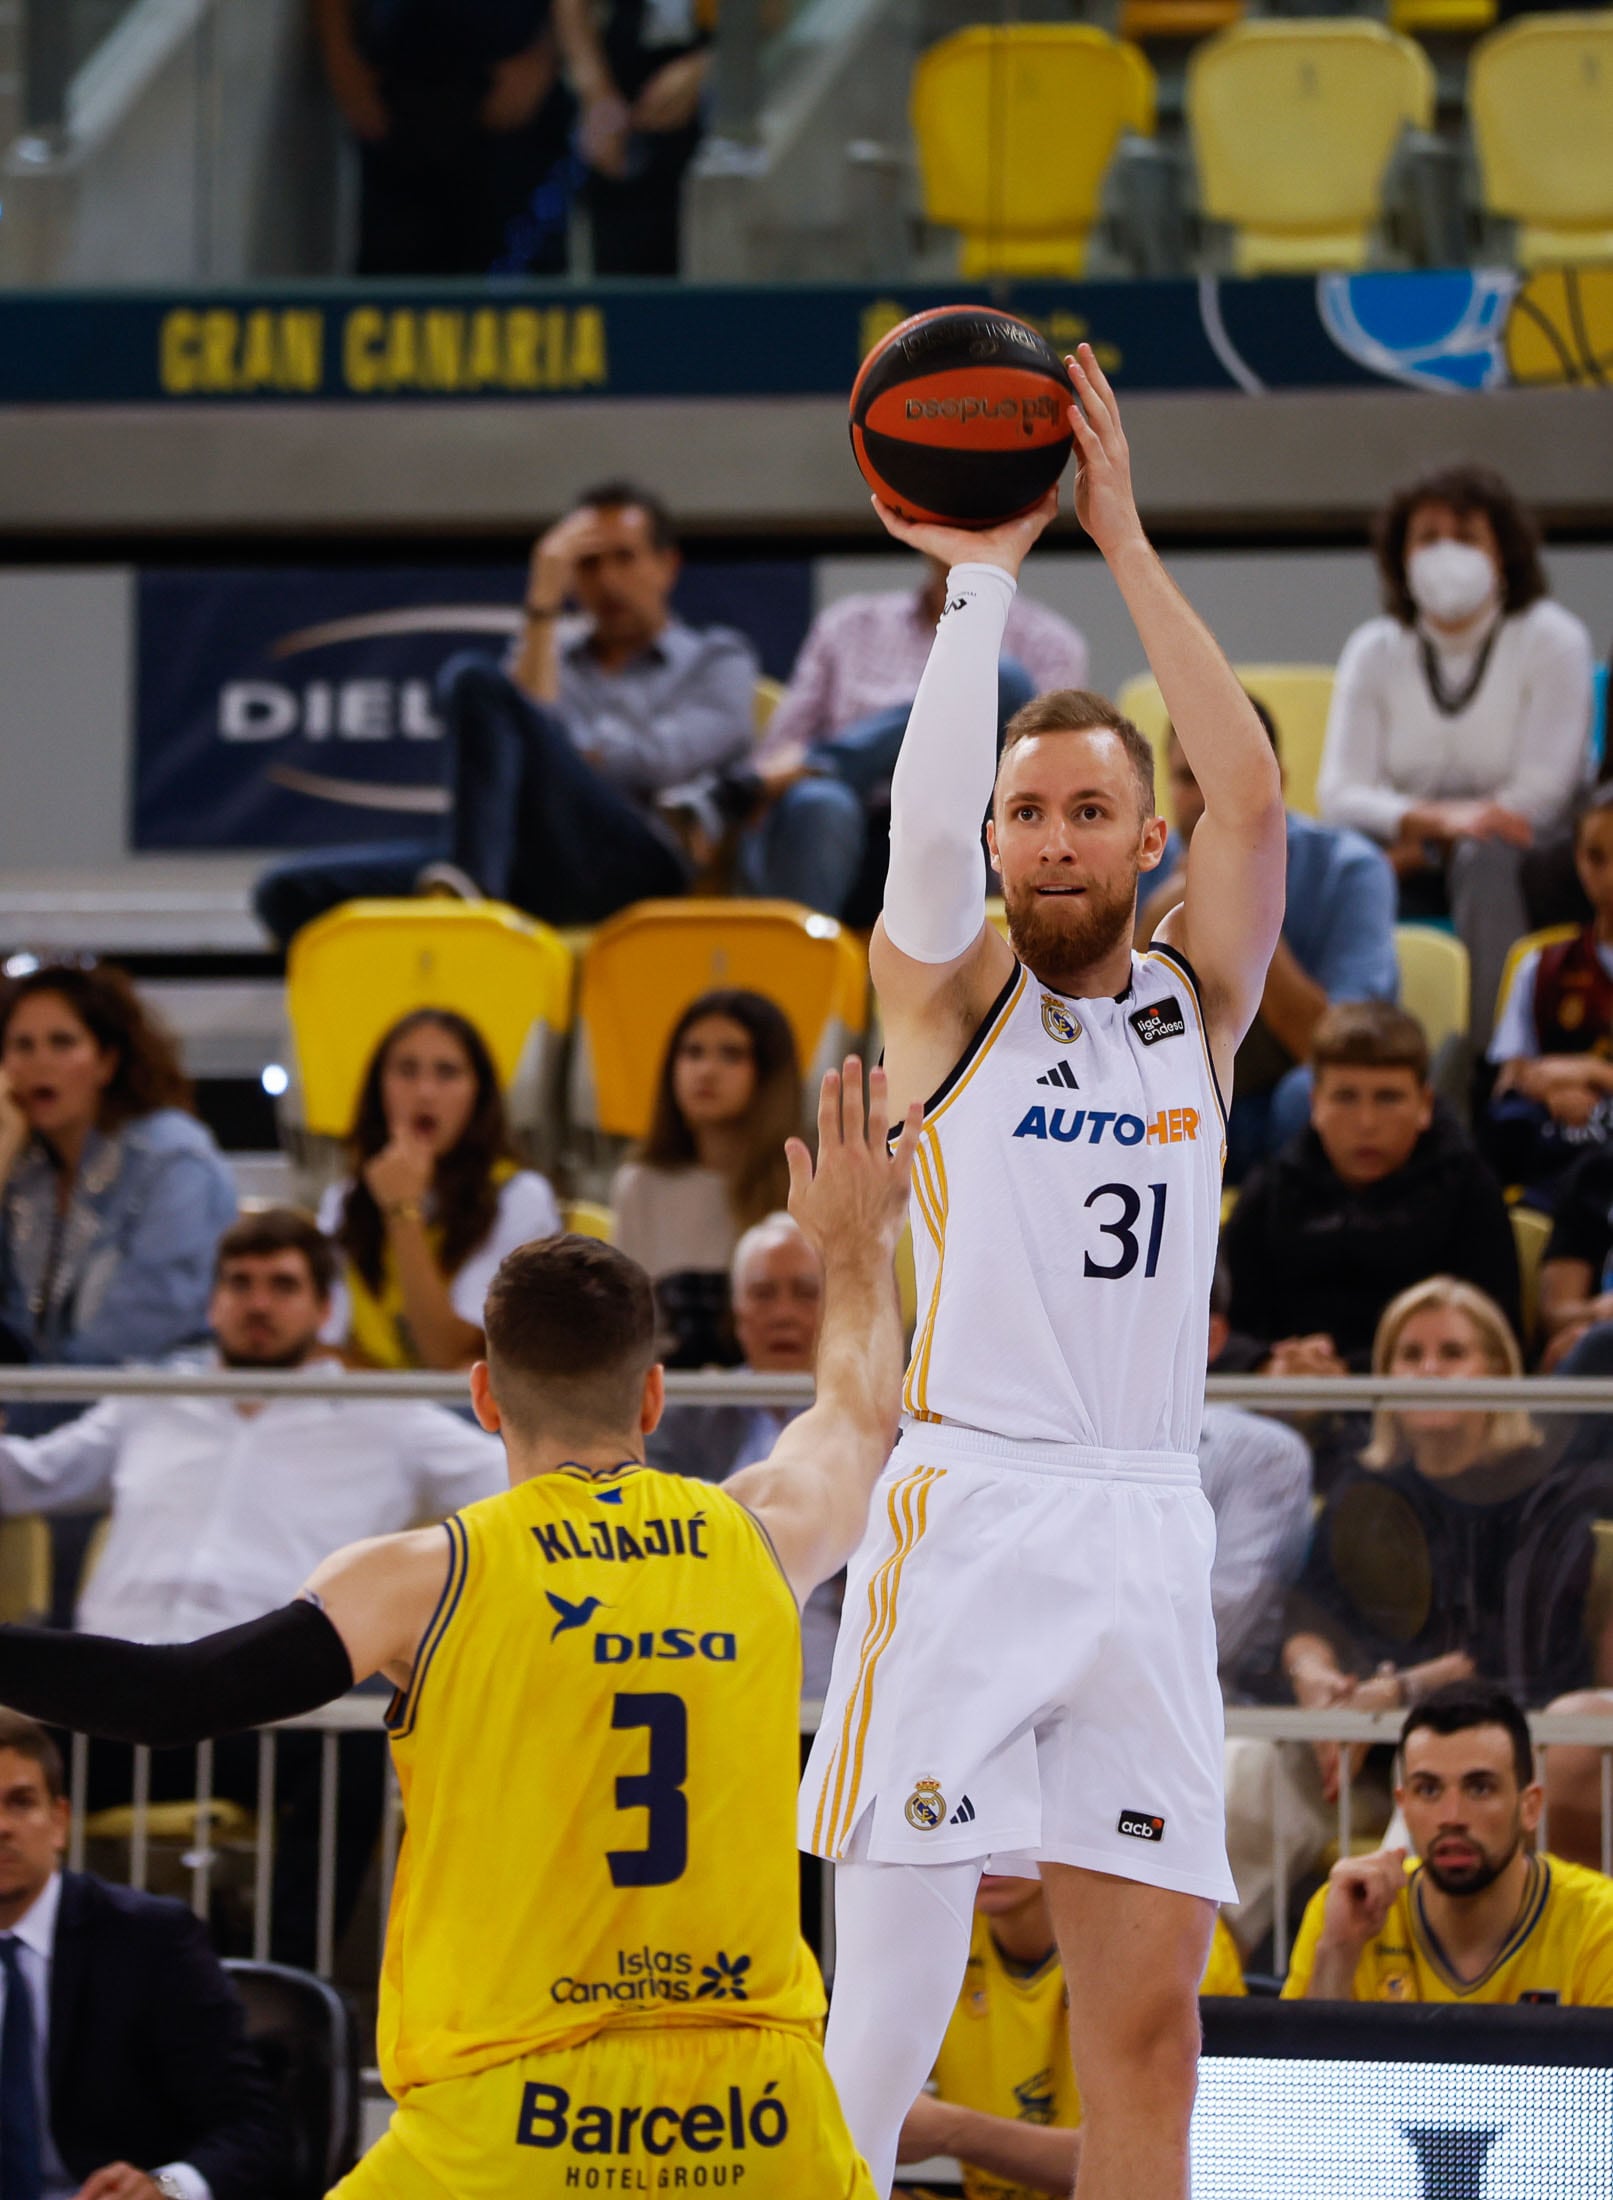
column 1026, row 1667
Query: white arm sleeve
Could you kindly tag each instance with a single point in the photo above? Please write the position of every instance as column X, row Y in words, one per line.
column 941, row 788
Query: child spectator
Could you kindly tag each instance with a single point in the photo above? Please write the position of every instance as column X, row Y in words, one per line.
column 1383, row 1189
column 112, row 1195
column 713, row 1164
column 1554, row 1031
column 1461, row 718
column 435, row 1201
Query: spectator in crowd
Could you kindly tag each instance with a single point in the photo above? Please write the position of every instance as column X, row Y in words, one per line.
column 125, row 2072
column 112, row 1195
column 574, row 764
column 1256, row 1473
column 1383, row 1189
column 435, row 1200
column 1480, row 1916
column 1553, row 1038
column 640, row 74
column 1337, row 944
column 462, row 126
column 776, row 1285
column 1006, row 2103
column 1576, row 1271
column 220, row 1510
column 824, row 770
column 1460, row 721
column 1453, row 1546
column 728, row 1096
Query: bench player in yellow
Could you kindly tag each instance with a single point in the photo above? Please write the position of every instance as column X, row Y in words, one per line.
column 594, row 1977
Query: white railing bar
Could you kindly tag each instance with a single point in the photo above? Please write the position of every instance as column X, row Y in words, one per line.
column 201, row 1869
column 263, row 1856
column 78, row 1788
column 391, row 1830
column 140, row 1798
column 325, row 1926
column 738, row 1386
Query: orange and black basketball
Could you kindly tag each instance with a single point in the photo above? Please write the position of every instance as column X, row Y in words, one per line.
column 961, row 415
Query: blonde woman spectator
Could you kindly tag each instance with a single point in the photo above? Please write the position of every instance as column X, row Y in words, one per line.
column 434, row 1203
column 713, row 1164
column 1461, row 717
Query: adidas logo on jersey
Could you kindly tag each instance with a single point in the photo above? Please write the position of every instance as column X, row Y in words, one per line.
column 1062, row 1075
column 963, row 1815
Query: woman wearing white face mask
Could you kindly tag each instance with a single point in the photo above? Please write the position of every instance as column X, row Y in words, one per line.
column 1461, row 718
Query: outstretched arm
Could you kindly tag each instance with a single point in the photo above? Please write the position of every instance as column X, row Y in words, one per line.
column 1233, row 912
column 811, row 1494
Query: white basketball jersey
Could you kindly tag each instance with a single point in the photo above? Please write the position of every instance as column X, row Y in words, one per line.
column 1066, row 1205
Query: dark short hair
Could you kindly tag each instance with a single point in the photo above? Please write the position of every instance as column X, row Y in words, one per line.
column 1462, row 1705
column 1369, row 1035
column 1078, row 710
column 265, row 1230
column 1594, row 802
column 27, row 1738
column 148, row 1075
column 612, row 496
column 570, row 1326
column 1465, row 487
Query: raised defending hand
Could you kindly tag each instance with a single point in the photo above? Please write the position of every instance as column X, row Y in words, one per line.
column 1104, row 503
column 854, row 1203
column 1006, row 546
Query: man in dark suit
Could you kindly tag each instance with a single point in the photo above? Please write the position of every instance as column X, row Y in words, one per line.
column 121, row 2039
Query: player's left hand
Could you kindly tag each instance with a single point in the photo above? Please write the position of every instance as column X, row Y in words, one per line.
column 926, row 2130
column 856, row 1198
column 1006, row 546
column 1104, row 503
column 118, row 2181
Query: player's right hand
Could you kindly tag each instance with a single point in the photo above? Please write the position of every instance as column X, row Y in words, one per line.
column 855, row 1201
column 1006, row 546
column 1361, row 1892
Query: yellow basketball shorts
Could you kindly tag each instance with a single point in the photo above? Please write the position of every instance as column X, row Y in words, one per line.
column 734, row 2109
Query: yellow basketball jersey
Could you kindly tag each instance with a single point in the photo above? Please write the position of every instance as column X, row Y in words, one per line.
column 1223, row 1974
column 1560, row 1949
column 598, row 1755
column 1007, row 2051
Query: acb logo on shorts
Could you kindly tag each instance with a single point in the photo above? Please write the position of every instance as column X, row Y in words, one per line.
column 1141, row 1825
column 926, row 1807
column 1057, row 1021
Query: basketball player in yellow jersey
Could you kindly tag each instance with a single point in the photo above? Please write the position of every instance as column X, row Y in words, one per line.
column 594, row 1977
column 1044, row 1499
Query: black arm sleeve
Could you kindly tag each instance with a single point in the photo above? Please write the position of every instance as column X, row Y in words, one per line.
column 169, row 1695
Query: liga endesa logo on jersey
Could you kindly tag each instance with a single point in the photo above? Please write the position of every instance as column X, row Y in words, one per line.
column 1091, row 1126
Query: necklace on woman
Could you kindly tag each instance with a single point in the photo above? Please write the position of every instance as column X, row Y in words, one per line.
column 1451, row 701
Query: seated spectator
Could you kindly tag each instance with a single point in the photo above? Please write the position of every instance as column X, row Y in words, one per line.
column 1005, row 2102
column 1383, row 1189
column 729, row 1095
column 563, row 760
column 1461, row 717
column 1553, row 1038
column 1337, row 944
column 220, row 1510
column 1453, row 1545
column 832, row 743
column 640, row 68
column 462, row 126
column 1256, row 1473
column 112, row 1195
column 1477, row 1915
column 434, row 1203
column 1576, row 1271
column 124, row 2064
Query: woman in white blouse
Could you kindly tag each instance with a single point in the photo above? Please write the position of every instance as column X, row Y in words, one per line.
column 1460, row 720
column 435, row 1201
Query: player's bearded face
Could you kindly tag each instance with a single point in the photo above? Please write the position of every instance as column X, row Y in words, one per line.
column 1462, row 1863
column 1058, row 933
column 1068, row 840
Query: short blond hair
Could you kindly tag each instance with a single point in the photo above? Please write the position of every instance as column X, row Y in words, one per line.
column 1504, row 1432
column 1079, row 710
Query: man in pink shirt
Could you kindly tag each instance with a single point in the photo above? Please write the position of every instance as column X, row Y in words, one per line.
column 824, row 769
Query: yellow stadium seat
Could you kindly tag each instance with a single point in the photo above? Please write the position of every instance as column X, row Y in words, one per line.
column 354, row 971
column 1548, row 936
column 642, row 969
column 765, row 699
column 182, row 1823
column 588, row 1218
column 1540, row 93
column 1435, row 981
column 1293, row 126
column 1530, row 1231
column 25, row 1568
column 1441, row 18
column 1177, row 18
column 1298, row 697
column 1016, row 126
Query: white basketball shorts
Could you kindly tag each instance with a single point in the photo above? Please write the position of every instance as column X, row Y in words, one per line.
column 1026, row 1667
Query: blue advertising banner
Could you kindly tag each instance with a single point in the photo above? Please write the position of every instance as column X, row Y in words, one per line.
column 298, row 709
column 1454, row 329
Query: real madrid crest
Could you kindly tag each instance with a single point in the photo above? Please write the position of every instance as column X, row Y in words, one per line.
column 926, row 1807
column 1057, row 1021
